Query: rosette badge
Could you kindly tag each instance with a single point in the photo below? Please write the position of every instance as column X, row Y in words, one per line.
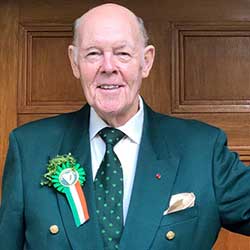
column 67, row 177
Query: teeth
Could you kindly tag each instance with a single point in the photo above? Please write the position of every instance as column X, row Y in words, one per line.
column 109, row 86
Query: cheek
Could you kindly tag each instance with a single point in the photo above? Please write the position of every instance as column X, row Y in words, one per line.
column 133, row 76
column 88, row 73
column 87, row 76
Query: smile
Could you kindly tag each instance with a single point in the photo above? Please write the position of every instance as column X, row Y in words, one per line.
column 109, row 86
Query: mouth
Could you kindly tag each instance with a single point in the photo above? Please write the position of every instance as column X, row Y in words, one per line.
column 109, row 86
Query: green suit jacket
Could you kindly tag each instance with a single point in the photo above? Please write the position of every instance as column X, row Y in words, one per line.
column 189, row 156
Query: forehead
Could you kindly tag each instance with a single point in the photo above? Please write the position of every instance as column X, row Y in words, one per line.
column 117, row 29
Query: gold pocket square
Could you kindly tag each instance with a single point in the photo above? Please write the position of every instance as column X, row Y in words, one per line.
column 180, row 202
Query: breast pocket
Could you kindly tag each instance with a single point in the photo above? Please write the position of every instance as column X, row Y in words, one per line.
column 176, row 230
column 180, row 216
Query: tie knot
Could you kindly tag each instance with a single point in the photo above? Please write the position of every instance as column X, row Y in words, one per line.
column 111, row 136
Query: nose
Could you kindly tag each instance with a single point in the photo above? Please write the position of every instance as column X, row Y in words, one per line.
column 108, row 64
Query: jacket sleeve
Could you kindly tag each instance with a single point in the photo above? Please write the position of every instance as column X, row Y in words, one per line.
column 11, row 209
column 232, row 188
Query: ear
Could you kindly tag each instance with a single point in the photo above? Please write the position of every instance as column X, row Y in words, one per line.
column 149, row 55
column 73, row 62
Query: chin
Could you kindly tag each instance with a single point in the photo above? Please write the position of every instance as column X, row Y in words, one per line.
column 110, row 107
column 110, row 112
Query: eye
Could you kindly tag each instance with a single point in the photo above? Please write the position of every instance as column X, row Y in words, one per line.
column 124, row 56
column 93, row 53
column 123, row 53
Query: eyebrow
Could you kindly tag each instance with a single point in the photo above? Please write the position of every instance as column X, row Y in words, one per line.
column 118, row 45
column 89, row 48
column 124, row 44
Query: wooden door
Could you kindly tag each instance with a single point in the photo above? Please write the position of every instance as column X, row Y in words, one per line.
column 201, row 69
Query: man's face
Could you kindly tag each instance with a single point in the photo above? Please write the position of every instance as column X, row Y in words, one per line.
column 110, row 62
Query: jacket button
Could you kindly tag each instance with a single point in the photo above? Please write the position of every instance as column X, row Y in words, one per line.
column 54, row 229
column 170, row 235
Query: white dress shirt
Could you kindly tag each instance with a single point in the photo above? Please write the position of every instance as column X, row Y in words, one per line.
column 126, row 149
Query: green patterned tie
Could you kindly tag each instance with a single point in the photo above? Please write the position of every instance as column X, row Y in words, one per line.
column 109, row 191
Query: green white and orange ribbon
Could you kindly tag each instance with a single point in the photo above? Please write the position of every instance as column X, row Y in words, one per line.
column 67, row 176
column 68, row 180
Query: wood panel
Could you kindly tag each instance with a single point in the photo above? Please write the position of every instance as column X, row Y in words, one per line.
column 210, row 68
column 232, row 241
column 155, row 89
column 54, row 11
column 210, row 65
column 25, row 118
column 46, row 83
column 8, row 78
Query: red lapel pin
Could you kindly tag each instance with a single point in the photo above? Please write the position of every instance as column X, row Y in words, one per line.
column 158, row 176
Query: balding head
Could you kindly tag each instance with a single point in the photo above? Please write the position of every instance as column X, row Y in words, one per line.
column 111, row 11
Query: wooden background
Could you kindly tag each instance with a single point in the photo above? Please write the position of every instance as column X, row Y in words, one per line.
column 202, row 67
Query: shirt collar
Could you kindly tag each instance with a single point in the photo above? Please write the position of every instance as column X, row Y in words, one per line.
column 132, row 128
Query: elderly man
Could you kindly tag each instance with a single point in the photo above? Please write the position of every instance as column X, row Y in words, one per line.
column 119, row 176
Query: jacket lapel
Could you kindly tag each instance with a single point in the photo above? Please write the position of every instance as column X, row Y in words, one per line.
column 150, row 195
column 76, row 142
